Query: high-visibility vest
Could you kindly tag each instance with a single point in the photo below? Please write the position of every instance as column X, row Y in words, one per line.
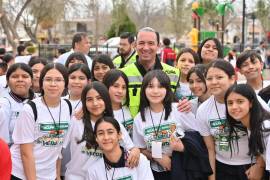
column 135, row 82
column 118, row 60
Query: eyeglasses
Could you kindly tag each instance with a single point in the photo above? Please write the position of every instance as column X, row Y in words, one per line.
column 51, row 80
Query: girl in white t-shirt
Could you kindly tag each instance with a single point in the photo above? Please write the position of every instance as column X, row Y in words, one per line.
column 19, row 80
column 228, row 161
column 84, row 152
column 244, row 109
column 117, row 84
column 37, row 64
column 41, row 128
column 79, row 76
column 113, row 164
column 156, row 122
column 197, row 85
column 186, row 59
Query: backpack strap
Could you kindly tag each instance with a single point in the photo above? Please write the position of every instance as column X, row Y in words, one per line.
column 34, row 108
column 69, row 106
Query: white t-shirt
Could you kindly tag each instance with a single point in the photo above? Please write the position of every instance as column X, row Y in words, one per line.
column 82, row 157
column 266, row 137
column 23, row 59
column 98, row 171
column 3, row 83
column 124, row 117
column 47, row 144
column 76, row 104
column 194, row 105
column 144, row 133
column 10, row 108
column 63, row 58
column 211, row 121
column 184, row 91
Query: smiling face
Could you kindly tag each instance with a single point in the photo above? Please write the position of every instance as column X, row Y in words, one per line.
column 53, row 84
column 155, row 93
column 107, row 137
column 20, row 82
column 218, row 82
column 209, row 52
column 77, row 81
column 100, row 70
column 251, row 70
column 94, row 104
column 185, row 63
column 239, row 107
column 147, row 47
column 118, row 91
column 196, row 85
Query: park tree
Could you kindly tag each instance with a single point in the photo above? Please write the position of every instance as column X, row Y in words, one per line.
column 120, row 19
column 10, row 16
column 263, row 13
column 178, row 17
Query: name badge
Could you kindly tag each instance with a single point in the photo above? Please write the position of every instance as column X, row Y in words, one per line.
column 156, row 149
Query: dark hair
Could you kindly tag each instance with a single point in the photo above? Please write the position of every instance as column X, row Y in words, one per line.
column 59, row 67
column 257, row 116
column 218, row 45
column 76, row 55
column 222, row 65
column 166, row 41
column 20, row 49
column 37, row 60
column 253, row 55
column 149, row 29
column 107, row 119
column 88, row 133
column 3, row 66
column 199, row 70
column 78, row 37
column 127, row 35
column 82, row 67
column 61, row 51
column 112, row 76
column 7, row 58
column 193, row 53
column 164, row 81
column 104, row 59
column 23, row 67
column 2, row 51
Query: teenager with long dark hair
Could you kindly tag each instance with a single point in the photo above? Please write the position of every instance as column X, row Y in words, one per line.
column 84, row 152
column 244, row 111
column 157, row 120
column 113, row 163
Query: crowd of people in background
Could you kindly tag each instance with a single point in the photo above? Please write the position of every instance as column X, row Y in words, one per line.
column 141, row 115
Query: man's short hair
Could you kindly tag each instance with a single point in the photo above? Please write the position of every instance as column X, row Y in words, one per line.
column 129, row 36
column 20, row 49
column 166, row 41
column 149, row 29
column 78, row 38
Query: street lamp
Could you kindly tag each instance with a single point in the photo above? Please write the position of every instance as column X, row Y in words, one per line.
column 243, row 25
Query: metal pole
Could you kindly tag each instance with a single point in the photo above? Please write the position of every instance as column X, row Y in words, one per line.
column 253, row 30
column 223, row 29
column 243, row 26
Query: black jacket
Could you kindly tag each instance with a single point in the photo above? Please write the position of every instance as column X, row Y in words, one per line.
column 193, row 163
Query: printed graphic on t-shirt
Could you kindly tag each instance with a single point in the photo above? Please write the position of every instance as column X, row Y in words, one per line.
column 163, row 135
column 53, row 135
column 128, row 124
column 125, row 178
column 220, row 130
column 92, row 152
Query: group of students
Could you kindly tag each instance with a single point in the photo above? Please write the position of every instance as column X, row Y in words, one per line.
column 72, row 123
